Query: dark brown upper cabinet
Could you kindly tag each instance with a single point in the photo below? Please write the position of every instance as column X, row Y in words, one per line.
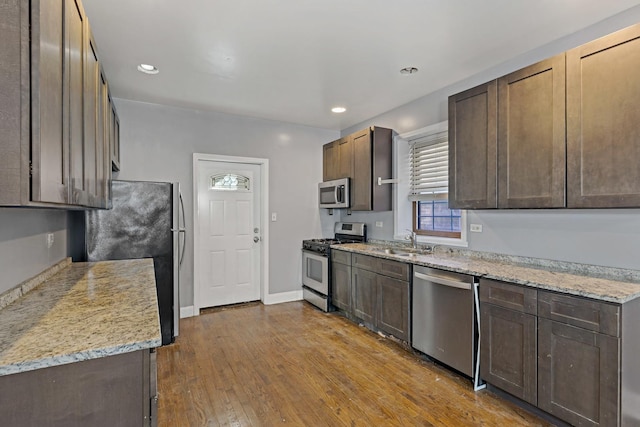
column 337, row 159
column 82, row 163
column 330, row 163
column 531, row 136
column 48, row 132
column 473, row 148
column 363, row 157
column 50, row 155
column 345, row 157
column 372, row 159
column 565, row 131
column 603, row 112
column 114, row 135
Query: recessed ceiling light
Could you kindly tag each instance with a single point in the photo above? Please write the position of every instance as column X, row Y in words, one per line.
column 148, row 69
column 338, row 109
column 409, row 70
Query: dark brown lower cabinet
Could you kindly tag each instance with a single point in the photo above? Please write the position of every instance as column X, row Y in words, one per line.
column 393, row 313
column 508, row 351
column 110, row 391
column 379, row 291
column 584, row 361
column 364, row 295
column 578, row 374
column 341, row 286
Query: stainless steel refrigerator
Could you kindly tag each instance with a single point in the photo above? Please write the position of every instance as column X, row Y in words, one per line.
column 146, row 221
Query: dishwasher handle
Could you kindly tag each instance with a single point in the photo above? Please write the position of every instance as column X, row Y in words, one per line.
column 443, row 281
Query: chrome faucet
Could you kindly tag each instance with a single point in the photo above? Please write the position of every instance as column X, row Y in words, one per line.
column 414, row 238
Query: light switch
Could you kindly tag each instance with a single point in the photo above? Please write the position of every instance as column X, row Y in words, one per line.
column 379, row 224
column 476, row 228
column 274, row 216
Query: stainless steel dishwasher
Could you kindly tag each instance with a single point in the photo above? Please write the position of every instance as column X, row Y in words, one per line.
column 445, row 319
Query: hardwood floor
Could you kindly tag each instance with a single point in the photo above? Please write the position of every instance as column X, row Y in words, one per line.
column 290, row 364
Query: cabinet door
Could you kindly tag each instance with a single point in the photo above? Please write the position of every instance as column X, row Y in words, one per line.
column 531, row 136
column 578, row 374
column 115, row 140
column 361, row 197
column 14, row 31
column 508, row 351
column 603, row 112
column 330, row 161
column 393, row 303
column 104, row 133
column 473, row 148
column 82, row 166
column 382, row 167
column 363, row 295
column 50, row 144
column 345, row 157
column 93, row 141
column 341, row 286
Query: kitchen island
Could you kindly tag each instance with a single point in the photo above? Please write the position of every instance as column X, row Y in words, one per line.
column 78, row 348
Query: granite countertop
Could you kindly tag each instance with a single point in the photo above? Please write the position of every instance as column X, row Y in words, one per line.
column 85, row 311
column 583, row 280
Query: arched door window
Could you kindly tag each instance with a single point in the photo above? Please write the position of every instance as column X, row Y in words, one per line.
column 230, row 182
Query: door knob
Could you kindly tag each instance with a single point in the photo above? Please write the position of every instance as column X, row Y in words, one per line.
column 256, row 239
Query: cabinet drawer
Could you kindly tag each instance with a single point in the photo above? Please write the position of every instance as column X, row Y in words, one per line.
column 395, row 269
column 341, row 256
column 507, row 295
column 365, row 262
column 588, row 314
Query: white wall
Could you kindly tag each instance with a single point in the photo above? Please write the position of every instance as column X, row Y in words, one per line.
column 157, row 144
column 23, row 243
column 608, row 237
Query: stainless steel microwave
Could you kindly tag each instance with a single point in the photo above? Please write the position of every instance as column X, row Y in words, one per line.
column 334, row 194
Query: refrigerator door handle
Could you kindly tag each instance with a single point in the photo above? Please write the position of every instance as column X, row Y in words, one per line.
column 183, row 230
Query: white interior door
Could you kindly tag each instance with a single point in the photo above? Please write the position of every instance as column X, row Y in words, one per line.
column 229, row 205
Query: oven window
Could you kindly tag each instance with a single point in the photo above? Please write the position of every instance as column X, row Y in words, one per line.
column 314, row 269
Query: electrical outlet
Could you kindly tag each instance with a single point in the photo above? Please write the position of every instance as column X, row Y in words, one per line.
column 476, row 228
column 274, row 216
column 49, row 240
column 379, row 224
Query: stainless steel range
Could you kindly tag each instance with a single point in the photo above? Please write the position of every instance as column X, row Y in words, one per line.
column 316, row 262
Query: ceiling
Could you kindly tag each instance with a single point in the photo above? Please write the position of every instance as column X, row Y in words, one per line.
column 292, row 60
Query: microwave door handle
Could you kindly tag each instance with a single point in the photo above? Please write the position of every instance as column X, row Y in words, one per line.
column 337, row 194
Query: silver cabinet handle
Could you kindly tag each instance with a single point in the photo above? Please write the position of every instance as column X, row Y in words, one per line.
column 442, row 281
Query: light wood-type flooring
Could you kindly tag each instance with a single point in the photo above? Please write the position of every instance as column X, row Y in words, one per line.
column 290, row 364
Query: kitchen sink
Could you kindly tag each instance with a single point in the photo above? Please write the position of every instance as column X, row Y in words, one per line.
column 408, row 252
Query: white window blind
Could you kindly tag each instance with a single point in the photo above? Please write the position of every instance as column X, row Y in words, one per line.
column 429, row 158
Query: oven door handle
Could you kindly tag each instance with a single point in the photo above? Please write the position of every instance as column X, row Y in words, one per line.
column 443, row 281
column 314, row 254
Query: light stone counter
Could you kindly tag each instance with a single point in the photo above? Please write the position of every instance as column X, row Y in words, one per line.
column 85, row 311
column 584, row 280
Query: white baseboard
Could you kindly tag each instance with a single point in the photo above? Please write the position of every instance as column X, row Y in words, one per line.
column 282, row 297
column 186, row 312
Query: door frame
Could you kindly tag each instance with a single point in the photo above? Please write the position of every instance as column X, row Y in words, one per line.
column 264, row 220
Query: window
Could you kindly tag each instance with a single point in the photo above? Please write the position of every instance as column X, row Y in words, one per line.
column 434, row 218
column 229, row 182
column 429, row 166
column 421, row 194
